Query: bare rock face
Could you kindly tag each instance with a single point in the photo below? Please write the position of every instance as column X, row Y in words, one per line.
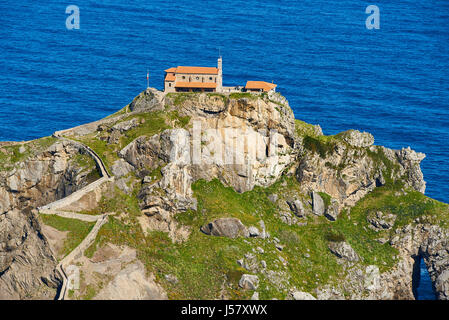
column 226, row 227
column 26, row 261
column 241, row 142
column 410, row 162
column 131, row 283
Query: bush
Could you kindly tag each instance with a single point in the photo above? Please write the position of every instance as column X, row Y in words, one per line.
column 316, row 145
column 334, row 236
column 289, row 237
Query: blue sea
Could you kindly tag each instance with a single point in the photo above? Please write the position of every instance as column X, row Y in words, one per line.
column 392, row 82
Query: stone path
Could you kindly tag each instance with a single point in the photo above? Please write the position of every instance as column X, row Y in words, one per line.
column 55, row 208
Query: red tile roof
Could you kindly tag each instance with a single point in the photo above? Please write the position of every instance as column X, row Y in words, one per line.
column 193, row 70
column 170, row 77
column 265, row 86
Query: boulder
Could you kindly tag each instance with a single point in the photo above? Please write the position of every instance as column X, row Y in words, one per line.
column 296, row 207
column 372, row 278
column 299, row 295
column 273, row 197
column 318, row 204
column 343, row 251
column 253, row 231
column 226, row 227
column 263, row 233
column 249, row 282
column 332, row 211
column 126, row 125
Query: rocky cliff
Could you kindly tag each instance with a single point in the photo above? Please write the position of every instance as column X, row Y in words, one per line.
column 222, row 196
column 44, row 170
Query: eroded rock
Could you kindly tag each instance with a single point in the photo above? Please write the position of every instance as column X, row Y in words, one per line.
column 344, row 251
column 226, row 227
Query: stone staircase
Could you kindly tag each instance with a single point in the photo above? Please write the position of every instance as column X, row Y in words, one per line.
column 55, row 208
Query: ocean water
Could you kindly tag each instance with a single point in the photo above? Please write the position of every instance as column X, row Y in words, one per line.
column 392, row 82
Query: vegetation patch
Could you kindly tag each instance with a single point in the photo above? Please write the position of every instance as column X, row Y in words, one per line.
column 323, row 145
column 77, row 229
column 305, row 129
column 242, row 95
column 178, row 98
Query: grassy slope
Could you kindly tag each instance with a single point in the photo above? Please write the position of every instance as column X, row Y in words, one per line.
column 77, row 229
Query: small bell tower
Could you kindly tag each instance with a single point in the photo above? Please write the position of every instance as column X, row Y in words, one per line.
column 220, row 74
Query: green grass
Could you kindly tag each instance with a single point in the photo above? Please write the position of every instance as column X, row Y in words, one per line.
column 215, row 94
column 153, row 123
column 85, row 162
column 304, row 129
column 180, row 97
column 77, row 229
column 323, row 145
column 116, row 201
column 241, row 95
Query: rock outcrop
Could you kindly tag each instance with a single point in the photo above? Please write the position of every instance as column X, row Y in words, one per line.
column 226, row 227
column 348, row 167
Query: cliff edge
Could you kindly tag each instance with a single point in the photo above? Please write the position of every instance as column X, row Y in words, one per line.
column 219, row 196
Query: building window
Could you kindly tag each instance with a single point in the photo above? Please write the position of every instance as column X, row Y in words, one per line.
column 197, row 78
column 183, row 77
column 210, row 78
column 169, row 84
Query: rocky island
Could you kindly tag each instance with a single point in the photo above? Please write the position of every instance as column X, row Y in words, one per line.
column 215, row 196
